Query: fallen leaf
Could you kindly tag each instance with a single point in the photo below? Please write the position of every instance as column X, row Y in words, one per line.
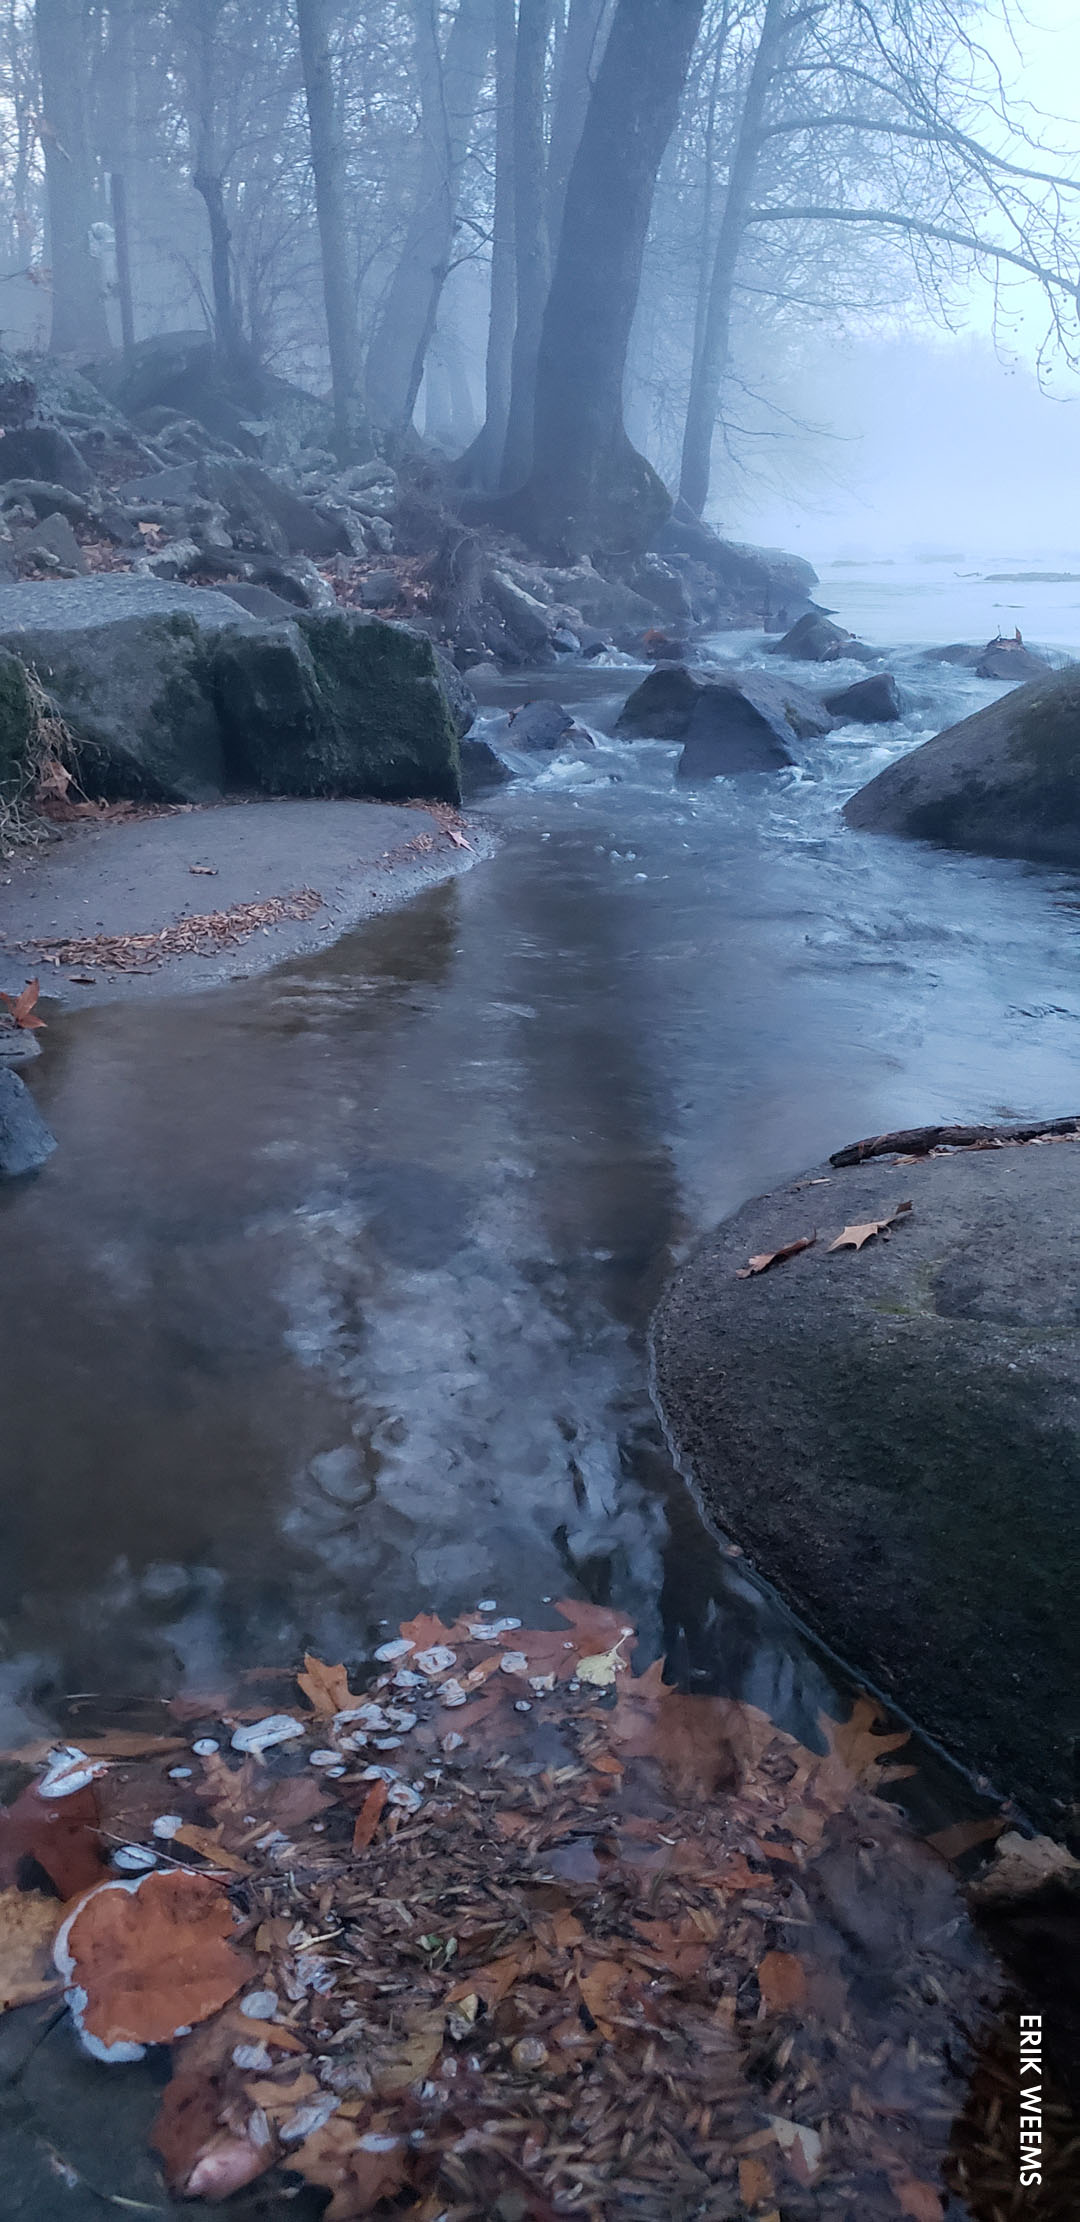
column 360, row 2169
column 782, row 1982
column 61, row 1834
column 963, row 1836
column 28, row 1926
column 367, row 1820
column 856, row 1742
column 421, row 2048
column 755, row 2182
column 765, row 1258
column 854, row 1237
column 597, row 1985
column 918, row 2199
column 427, row 1630
column 457, row 838
column 204, row 871
column 207, row 1842
column 201, row 2158
column 21, row 1007
column 153, row 1957
column 800, row 2145
column 326, row 1687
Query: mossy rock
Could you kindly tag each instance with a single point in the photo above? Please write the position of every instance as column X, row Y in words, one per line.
column 1004, row 782
column 16, row 726
column 336, row 705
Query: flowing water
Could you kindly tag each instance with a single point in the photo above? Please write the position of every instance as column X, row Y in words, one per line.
column 333, row 1302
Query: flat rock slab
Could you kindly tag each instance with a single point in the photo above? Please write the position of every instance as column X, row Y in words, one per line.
column 74, row 605
column 134, row 878
column 894, row 1436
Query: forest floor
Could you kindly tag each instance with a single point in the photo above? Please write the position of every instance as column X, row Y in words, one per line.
column 139, row 901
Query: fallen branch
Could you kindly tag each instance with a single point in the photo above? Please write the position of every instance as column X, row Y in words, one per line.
column 918, row 1141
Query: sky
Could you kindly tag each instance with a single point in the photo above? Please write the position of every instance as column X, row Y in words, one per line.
column 936, row 442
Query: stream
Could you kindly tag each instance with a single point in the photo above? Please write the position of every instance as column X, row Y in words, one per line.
column 332, row 1305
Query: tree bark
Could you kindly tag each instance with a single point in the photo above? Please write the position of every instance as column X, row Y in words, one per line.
column 328, row 168
column 579, row 58
column 590, row 492
column 714, row 331
column 208, row 176
column 449, row 89
column 532, row 251
column 79, row 323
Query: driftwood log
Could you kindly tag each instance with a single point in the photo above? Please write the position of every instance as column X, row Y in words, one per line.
column 918, row 1141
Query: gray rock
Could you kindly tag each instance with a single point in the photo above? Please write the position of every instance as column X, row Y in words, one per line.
column 45, row 497
column 43, row 451
column 1009, row 659
column 18, row 1046
column 1004, row 782
column 26, row 1143
column 815, row 639
column 268, row 511
column 335, row 705
column 873, row 701
column 481, row 766
column 52, row 538
column 176, row 484
column 894, row 1436
column 176, row 560
column 527, row 619
column 259, row 601
column 456, row 688
column 379, row 589
column 124, row 659
column 730, row 721
column 539, row 725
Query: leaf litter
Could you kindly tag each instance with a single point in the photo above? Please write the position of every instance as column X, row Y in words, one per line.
column 630, row 1952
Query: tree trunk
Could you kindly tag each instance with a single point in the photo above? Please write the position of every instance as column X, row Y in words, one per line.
column 590, row 492
column 121, row 146
column 328, row 167
column 208, row 175
column 579, row 57
column 79, row 323
column 449, row 89
column 714, row 329
column 532, row 253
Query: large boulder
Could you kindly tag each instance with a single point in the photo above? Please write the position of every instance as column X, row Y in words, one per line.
column 1005, row 781
column 335, row 705
column 1011, row 660
column 178, row 694
column 816, row 640
column 893, row 1434
column 125, row 662
column 731, row 583
column 26, row 1143
column 729, row 721
column 43, row 451
column 264, row 512
column 872, row 701
column 16, row 726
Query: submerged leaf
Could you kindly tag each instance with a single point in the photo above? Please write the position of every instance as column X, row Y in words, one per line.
column 153, row 1957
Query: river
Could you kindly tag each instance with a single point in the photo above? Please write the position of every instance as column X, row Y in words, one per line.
column 332, row 1304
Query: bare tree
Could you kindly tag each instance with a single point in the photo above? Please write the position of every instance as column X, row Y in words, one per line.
column 79, row 323
column 590, row 491
column 328, row 167
column 449, row 80
column 532, row 251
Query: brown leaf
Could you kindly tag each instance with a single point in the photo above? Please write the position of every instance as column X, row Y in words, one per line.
column 854, row 1237
column 755, row 2182
column 61, row 1834
column 765, row 1258
column 963, row 1836
column 28, row 1924
column 597, row 1984
column 21, row 1007
column 782, row 1981
column 367, row 1820
column 417, row 2056
column 207, row 1842
column 855, row 1742
column 132, row 1743
column 156, row 1958
column 359, row 2177
column 326, row 1687
column 202, row 2159
column 427, row 1630
column 918, row 2199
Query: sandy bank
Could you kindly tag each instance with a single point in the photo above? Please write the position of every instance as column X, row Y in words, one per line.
column 136, row 878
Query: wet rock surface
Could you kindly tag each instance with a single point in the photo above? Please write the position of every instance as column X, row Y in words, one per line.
column 26, row 1143
column 728, row 721
column 1004, row 782
column 873, row 701
column 893, row 1434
